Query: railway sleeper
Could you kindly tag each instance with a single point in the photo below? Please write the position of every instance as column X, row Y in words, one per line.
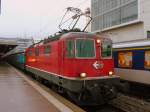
column 130, row 104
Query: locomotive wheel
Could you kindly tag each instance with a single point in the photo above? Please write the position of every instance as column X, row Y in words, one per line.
column 73, row 96
column 54, row 88
column 39, row 79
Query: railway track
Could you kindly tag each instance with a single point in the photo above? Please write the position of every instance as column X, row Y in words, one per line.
column 130, row 104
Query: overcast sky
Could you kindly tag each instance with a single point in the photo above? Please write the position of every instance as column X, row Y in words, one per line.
column 36, row 18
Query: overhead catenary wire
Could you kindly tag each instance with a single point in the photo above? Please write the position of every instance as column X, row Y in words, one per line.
column 143, row 2
column 79, row 5
column 47, row 25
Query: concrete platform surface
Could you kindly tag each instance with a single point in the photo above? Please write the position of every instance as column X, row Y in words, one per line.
column 16, row 95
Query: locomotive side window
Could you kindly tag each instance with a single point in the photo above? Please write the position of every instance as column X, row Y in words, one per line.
column 47, row 50
column 30, row 53
column 106, row 49
column 125, row 59
column 37, row 51
column 85, row 48
column 147, row 59
column 70, row 49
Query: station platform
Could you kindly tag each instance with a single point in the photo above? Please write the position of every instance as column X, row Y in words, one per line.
column 17, row 95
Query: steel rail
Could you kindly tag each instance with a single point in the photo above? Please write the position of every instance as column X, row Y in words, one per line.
column 130, row 104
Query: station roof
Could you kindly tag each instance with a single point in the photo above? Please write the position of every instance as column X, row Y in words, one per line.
column 8, row 41
column 22, row 44
column 7, row 44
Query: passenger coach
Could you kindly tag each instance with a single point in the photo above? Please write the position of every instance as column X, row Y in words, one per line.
column 132, row 61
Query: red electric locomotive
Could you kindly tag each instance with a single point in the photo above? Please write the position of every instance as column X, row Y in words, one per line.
column 79, row 63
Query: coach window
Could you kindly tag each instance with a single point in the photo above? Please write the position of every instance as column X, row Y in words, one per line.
column 70, row 48
column 37, row 51
column 47, row 50
column 147, row 59
column 125, row 59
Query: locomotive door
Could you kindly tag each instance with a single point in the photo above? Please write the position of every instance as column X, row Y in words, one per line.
column 68, row 57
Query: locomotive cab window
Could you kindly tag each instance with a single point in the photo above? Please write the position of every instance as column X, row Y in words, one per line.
column 37, row 51
column 106, row 50
column 30, row 53
column 85, row 48
column 70, row 48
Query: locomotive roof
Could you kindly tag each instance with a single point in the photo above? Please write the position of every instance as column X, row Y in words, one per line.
column 67, row 35
column 82, row 35
column 78, row 34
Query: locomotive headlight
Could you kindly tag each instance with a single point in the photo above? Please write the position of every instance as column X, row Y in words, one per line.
column 111, row 73
column 83, row 75
column 98, row 41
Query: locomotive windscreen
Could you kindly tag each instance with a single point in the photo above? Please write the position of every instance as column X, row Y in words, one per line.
column 85, row 48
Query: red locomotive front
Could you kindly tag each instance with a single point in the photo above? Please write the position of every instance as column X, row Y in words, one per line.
column 81, row 64
column 86, row 56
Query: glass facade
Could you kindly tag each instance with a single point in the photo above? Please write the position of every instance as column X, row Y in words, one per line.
column 108, row 13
